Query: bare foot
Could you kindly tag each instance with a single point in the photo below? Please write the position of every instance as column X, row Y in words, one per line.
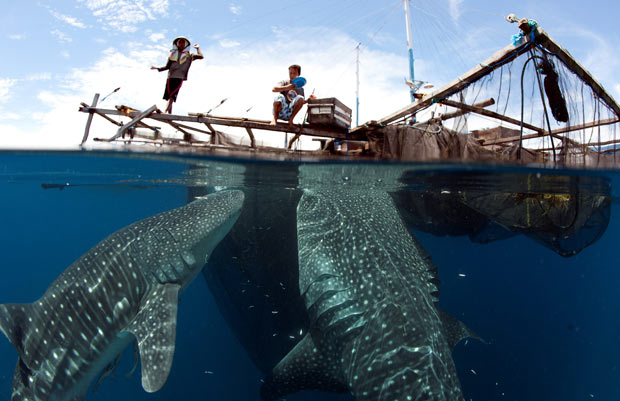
column 273, row 122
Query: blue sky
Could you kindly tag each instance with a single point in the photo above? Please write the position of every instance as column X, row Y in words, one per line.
column 60, row 53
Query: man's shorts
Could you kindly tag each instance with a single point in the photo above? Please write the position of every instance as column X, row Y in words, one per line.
column 287, row 108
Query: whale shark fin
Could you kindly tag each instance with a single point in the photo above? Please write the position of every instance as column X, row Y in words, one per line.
column 155, row 329
column 14, row 323
column 454, row 330
column 304, row 368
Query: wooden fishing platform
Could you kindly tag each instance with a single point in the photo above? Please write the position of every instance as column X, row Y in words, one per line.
column 193, row 123
column 200, row 129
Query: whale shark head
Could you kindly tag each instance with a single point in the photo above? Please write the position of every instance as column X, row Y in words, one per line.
column 173, row 246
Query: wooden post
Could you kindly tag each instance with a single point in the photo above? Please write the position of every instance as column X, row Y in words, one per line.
column 90, row 119
column 251, row 134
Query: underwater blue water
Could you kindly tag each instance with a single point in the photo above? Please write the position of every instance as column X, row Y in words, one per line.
column 551, row 324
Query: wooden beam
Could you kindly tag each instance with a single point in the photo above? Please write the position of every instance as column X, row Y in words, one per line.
column 592, row 124
column 484, row 103
column 213, row 131
column 309, row 130
column 139, row 116
column 90, row 119
column 251, row 134
column 186, row 135
column 509, row 139
column 484, row 112
column 555, row 132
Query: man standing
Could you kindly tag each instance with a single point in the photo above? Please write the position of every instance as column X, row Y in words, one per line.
column 291, row 98
column 178, row 64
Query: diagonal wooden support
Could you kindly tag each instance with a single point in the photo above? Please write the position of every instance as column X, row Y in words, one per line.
column 122, row 130
column 251, row 134
column 90, row 119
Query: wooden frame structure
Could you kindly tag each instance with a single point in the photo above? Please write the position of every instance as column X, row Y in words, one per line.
column 499, row 59
column 180, row 123
column 206, row 123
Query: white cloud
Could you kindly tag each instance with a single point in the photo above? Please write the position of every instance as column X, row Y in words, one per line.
column 456, row 9
column 6, row 115
column 235, row 9
column 124, row 15
column 43, row 76
column 74, row 22
column 156, row 37
column 17, row 37
column 63, row 37
column 5, row 87
column 227, row 43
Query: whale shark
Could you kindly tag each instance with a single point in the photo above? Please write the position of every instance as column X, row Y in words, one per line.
column 371, row 292
column 124, row 289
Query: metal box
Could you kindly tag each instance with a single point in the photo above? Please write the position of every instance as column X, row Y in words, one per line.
column 329, row 111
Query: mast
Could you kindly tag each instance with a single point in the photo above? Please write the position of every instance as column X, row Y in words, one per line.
column 357, row 90
column 410, row 45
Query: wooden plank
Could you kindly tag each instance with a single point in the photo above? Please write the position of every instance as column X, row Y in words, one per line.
column 90, row 119
column 253, row 124
column 489, row 113
column 251, row 134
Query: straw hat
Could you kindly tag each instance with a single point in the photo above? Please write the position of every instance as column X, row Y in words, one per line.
column 174, row 42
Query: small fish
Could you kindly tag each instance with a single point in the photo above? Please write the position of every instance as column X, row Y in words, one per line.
column 291, row 337
column 208, row 372
column 473, row 371
column 251, row 306
column 301, row 332
column 462, row 275
column 274, row 334
column 274, row 312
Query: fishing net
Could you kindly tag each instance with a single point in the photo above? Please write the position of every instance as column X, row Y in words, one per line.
column 531, row 102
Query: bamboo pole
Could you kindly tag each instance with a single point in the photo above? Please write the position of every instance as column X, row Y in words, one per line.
column 488, row 113
column 484, row 103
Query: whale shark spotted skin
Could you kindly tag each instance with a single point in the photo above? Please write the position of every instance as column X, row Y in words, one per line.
column 126, row 288
column 370, row 290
